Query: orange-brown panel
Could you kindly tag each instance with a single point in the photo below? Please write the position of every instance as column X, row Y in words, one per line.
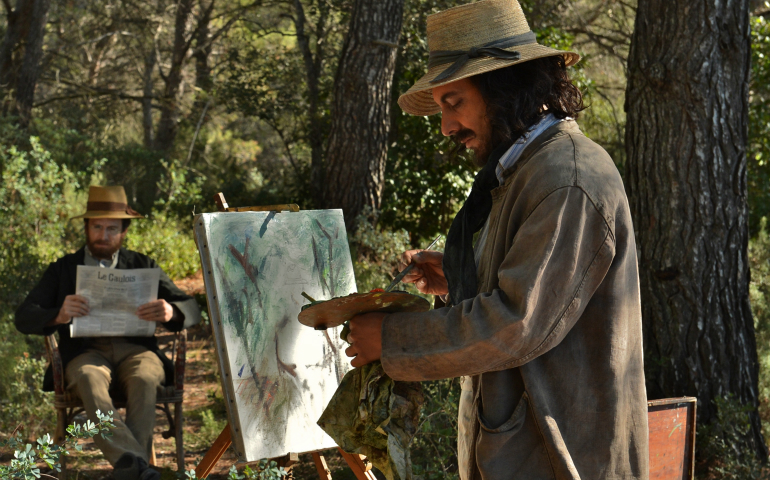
column 672, row 438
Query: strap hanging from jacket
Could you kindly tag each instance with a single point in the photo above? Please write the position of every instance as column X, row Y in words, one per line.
column 459, row 263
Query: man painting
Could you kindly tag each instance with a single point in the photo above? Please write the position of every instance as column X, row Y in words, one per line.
column 91, row 364
column 543, row 317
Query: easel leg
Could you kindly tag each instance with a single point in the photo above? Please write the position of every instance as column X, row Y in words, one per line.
column 221, row 444
column 320, row 464
column 361, row 470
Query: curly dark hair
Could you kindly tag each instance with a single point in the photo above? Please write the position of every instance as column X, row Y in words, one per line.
column 515, row 96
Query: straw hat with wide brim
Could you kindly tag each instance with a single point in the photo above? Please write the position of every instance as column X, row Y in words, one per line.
column 472, row 39
column 108, row 202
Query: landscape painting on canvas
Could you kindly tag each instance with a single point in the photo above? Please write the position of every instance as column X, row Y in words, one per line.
column 277, row 374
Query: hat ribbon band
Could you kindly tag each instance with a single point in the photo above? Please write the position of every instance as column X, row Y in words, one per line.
column 495, row 49
column 110, row 207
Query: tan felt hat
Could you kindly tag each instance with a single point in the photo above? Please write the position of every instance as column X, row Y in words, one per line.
column 108, row 202
column 472, row 39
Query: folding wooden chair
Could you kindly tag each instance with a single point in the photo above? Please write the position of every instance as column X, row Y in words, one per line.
column 174, row 345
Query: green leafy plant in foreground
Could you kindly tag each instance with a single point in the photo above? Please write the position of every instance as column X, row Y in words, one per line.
column 26, row 455
column 264, row 470
column 719, row 443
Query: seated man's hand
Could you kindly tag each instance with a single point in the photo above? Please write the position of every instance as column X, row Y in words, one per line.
column 74, row 306
column 156, row 311
column 427, row 274
column 365, row 338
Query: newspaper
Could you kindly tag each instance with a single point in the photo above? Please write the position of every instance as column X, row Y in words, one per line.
column 113, row 297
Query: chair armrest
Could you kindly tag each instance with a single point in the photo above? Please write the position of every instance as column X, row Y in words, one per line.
column 54, row 358
column 180, row 360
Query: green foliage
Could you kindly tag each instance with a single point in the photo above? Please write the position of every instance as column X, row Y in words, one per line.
column 36, row 198
column 375, row 251
column 434, row 448
column 718, row 444
column 212, row 424
column 166, row 237
column 759, row 123
column 168, row 240
column 25, row 397
column 424, row 184
column 263, row 470
column 759, row 295
column 26, row 456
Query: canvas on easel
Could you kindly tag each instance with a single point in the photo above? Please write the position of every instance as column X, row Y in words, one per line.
column 277, row 375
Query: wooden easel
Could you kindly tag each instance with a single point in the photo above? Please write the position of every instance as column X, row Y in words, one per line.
column 358, row 464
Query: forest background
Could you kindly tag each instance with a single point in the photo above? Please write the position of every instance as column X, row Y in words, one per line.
column 178, row 100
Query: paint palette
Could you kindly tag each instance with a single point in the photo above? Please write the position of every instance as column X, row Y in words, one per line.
column 332, row 313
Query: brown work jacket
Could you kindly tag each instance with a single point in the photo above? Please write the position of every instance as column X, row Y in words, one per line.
column 550, row 350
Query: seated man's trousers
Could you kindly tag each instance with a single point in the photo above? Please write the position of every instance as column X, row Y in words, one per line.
column 139, row 372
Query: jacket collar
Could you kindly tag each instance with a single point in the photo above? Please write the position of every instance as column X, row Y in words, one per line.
column 567, row 126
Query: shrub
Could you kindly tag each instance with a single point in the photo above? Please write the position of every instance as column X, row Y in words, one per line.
column 25, row 399
column 376, row 251
column 36, row 198
column 719, row 444
column 759, row 293
column 26, row 456
column 169, row 241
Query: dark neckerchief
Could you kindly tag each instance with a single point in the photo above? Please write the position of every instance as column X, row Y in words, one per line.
column 459, row 263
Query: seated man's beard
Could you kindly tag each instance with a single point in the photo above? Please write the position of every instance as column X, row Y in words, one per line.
column 103, row 249
column 480, row 154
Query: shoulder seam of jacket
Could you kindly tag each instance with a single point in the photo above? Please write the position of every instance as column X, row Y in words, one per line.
column 548, row 193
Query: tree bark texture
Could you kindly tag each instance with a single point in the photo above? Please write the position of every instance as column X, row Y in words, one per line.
column 148, row 90
column 17, row 29
column 313, row 64
column 686, row 139
column 26, row 23
column 358, row 140
column 201, row 54
column 169, row 111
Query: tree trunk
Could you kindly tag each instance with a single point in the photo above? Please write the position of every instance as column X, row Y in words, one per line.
column 169, row 111
column 358, row 141
column 686, row 139
column 313, row 65
column 30, row 67
column 201, row 54
column 148, row 91
column 17, row 28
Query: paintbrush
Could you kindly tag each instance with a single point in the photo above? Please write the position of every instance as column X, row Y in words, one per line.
column 409, row 268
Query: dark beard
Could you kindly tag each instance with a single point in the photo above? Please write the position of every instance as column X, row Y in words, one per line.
column 102, row 252
column 478, row 156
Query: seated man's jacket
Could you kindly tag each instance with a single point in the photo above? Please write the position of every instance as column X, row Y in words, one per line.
column 45, row 300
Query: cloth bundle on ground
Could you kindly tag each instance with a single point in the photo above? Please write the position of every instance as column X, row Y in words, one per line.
column 374, row 415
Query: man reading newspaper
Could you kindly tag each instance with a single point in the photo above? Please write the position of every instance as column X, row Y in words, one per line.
column 92, row 363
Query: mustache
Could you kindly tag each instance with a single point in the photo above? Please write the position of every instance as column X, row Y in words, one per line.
column 463, row 135
column 457, row 139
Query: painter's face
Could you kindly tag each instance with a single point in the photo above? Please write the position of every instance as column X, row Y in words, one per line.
column 104, row 236
column 464, row 116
